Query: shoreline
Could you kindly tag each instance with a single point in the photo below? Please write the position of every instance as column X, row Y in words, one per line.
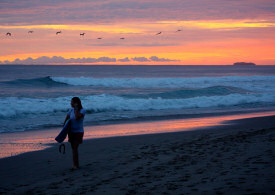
column 17, row 143
column 237, row 157
column 177, row 116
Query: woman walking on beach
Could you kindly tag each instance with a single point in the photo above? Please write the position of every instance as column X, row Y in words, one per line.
column 76, row 115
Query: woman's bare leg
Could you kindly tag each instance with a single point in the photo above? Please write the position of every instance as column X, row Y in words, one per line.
column 75, row 155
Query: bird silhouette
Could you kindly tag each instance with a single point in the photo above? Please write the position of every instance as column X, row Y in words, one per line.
column 8, row 34
column 179, row 30
column 58, row 32
column 122, row 38
column 158, row 33
column 82, row 34
column 31, row 31
column 99, row 38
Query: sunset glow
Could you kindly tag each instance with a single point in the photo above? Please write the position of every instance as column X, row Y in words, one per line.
column 191, row 34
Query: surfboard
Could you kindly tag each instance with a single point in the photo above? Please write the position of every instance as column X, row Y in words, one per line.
column 63, row 133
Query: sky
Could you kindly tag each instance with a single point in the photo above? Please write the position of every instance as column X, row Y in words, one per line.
column 193, row 32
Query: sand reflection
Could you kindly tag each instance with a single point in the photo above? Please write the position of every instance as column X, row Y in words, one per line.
column 17, row 143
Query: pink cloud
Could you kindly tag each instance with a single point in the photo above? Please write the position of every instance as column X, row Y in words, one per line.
column 157, row 59
column 124, row 60
column 140, row 59
column 60, row 60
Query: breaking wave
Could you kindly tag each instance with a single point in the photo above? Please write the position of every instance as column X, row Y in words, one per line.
column 257, row 83
column 42, row 81
column 251, row 83
column 14, row 106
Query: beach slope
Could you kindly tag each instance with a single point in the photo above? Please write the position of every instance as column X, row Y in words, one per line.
column 234, row 158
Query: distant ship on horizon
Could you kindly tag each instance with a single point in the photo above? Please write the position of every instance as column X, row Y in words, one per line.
column 244, row 64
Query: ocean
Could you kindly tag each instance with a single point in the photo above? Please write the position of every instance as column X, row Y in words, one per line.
column 37, row 97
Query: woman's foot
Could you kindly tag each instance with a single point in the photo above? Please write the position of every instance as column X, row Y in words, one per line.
column 74, row 168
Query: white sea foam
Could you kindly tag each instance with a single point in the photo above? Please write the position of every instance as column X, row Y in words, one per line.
column 11, row 106
column 254, row 83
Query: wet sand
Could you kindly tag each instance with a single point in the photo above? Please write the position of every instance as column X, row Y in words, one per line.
column 15, row 143
column 237, row 158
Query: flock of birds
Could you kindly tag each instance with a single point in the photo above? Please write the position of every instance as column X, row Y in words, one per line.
column 82, row 34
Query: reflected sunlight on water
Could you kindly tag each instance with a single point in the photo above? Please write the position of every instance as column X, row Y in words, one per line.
column 17, row 143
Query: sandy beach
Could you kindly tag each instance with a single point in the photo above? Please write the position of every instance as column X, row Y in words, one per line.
column 237, row 158
column 172, row 97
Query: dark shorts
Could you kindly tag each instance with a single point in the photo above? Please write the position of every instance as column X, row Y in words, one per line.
column 75, row 137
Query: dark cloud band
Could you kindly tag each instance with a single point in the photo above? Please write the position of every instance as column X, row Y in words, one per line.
column 73, row 11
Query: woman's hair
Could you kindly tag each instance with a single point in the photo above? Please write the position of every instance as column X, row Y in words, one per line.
column 77, row 100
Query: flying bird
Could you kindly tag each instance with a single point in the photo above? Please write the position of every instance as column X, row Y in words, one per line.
column 99, row 38
column 158, row 33
column 31, row 31
column 58, row 32
column 8, row 34
column 82, row 34
column 122, row 38
column 179, row 30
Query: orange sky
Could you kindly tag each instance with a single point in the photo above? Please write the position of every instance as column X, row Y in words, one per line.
column 205, row 37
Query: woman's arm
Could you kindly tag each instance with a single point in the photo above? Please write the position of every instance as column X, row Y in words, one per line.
column 67, row 117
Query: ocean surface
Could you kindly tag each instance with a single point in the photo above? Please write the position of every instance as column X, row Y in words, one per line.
column 38, row 97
